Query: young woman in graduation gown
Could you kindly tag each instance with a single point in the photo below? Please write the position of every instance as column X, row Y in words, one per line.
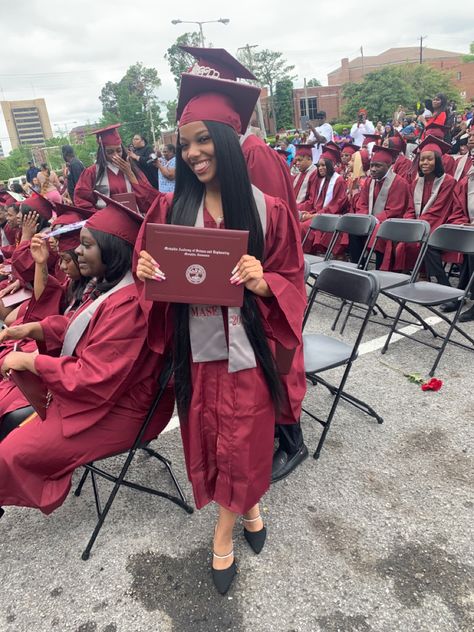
column 104, row 176
column 51, row 296
column 328, row 195
column 227, row 390
column 98, row 368
column 432, row 194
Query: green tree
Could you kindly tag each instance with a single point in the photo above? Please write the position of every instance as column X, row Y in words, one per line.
column 383, row 90
column 284, row 103
column 178, row 60
column 170, row 121
column 132, row 101
column 269, row 66
column 313, row 83
column 470, row 57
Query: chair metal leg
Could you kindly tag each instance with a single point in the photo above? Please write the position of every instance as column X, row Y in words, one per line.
column 167, row 464
column 98, row 505
column 348, row 313
column 78, row 490
column 392, row 328
column 338, row 315
column 446, row 338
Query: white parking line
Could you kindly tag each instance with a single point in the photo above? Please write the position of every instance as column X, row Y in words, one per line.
column 365, row 347
column 378, row 343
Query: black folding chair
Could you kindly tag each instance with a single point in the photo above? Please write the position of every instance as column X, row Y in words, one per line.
column 349, row 224
column 120, row 481
column 325, row 223
column 407, row 231
column 322, row 352
column 431, row 295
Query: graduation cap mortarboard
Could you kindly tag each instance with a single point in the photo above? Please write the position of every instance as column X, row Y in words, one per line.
column 116, row 219
column 107, row 135
column 433, row 143
column 384, row 154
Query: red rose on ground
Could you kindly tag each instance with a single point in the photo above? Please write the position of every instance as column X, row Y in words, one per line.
column 432, row 385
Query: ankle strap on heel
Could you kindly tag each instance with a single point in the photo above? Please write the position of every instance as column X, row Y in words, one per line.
column 223, row 557
column 259, row 517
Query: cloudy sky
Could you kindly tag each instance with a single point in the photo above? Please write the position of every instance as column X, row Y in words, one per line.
column 66, row 51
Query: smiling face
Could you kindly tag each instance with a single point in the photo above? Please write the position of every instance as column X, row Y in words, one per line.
column 427, row 162
column 89, row 256
column 322, row 169
column 13, row 217
column 197, row 151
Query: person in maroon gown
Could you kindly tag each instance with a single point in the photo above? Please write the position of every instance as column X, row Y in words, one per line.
column 226, row 398
column 402, row 165
column 104, row 176
column 432, row 194
column 347, row 152
column 328, row 194
column 302, row 182
column 385, row 195
column 99, row 371
column 268, row 172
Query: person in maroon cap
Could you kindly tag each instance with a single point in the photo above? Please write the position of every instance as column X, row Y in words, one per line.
column 432, row 195
column 385, row 195
column 307, row 173
column 227, row 406
column 107, row 178
column 101, row 383
column 328, row 195
column 402, row 165
column 347, row 151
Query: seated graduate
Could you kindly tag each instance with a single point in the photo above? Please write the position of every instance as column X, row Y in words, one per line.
column 432, row 194
column 105, row 177
column 97, row 367
column 307, row 173
column 328, row 195
column 385, row 195
column 227, row 392
column 50, row 297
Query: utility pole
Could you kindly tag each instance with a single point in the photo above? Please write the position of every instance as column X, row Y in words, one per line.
column 261, row 122
column 362, row 60
column 422, row 37
column 152, row 123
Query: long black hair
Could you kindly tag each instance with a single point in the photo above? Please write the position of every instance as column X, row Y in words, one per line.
column 101, row 162
column 329, row 168
column 240, row 212
column 76, row 288
column 116, row 255
column 439, row 167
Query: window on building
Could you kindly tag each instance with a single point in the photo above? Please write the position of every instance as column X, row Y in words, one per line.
column 312, row 107
column 458, row 76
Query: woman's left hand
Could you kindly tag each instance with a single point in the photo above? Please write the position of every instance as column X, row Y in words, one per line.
column 29, row 225
column 18, row 361
column 124, row 166
column 249, row 271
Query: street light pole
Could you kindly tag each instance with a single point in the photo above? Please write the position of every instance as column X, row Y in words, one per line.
column 261, row 121
column 201, row 32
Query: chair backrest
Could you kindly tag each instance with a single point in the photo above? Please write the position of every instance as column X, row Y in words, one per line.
column 453, row 238
column 408, row 231
column 307, row 270
column 357, row 225
column 325, row 222
column 349, row 284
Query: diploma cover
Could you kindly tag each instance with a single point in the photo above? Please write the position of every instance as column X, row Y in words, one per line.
column 11, row 300
column 197, row 263
column 34, row 390
column 127, row 199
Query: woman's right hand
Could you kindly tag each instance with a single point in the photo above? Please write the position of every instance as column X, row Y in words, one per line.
column 10, row 288
column 39, row 249
column 29, row 225
column 19, row 332
column 148, row 268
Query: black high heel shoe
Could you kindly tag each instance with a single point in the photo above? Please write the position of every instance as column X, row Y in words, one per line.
column 256, row 539
column 223, row 578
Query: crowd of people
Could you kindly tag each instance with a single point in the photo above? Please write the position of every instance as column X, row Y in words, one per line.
column 76, row 263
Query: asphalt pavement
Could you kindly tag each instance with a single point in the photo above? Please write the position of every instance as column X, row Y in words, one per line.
column 375, row 536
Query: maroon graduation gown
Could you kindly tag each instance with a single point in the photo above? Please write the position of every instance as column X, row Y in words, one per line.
column 437, row 214
column 298, row 182
column 100, row 397
column 402, row 167
column 268, row 172
column 228, row 436
column 84, row 196
column 337, row 206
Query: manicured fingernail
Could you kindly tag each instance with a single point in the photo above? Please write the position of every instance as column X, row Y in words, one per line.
column 235, row 269
column 239, row 282
column 158, row 272
column 235, row 277
column 159, row 278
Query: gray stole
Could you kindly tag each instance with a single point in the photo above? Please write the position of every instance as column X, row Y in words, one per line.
column 470, row 194
column 418, row 194
column 103, row 187
column 206, row 324
column 381, row 201
column 460, row 164
column 301, row 196
column 78, row 326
